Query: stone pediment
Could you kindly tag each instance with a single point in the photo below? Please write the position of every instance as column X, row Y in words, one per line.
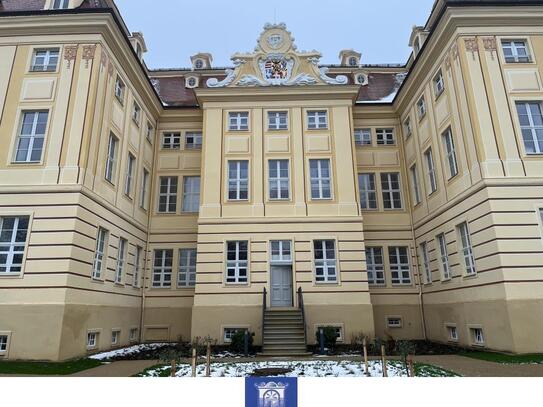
column 276, row 62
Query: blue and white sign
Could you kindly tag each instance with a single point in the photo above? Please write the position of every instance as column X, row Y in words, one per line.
column 271, row 392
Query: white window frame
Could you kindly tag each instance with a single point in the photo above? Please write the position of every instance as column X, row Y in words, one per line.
column 120, row 89
column 385, row 137
column 115, row 337
column 515, row 56
column 49, row 54
column 329, row 266
column 421, row 107
column 408, row 127
column 452, row 333
column 235, row 185
column 477, row 336
column 191, row 194
column 398, row 269
column 365, row 181
column 129, row 180
column 532, row 128
column 363, row 137
column 121, row 260
column 446, row 272
column 439, row 84
column 237, row 264
column 415, row 185
column 430, row 170
column 238, row 121
column 320, row 180
column 450, row 152
column 229, row 332
column 390, row 321
column 144, row 187
column 283, row 248
column 278, row 120
column 100, row 253
column 4, row 343
column 60, row 4
column 317, row 120
column 93, row 339
column 138, row 257
column 33, row 137
column 171, row 141
column 162, row 269
column 186, row 276
column 466, row 248
column 169, row 197
column 14, row 244
column 279, row 181
column 136, row 113
column 425, row 256
column 111, row 159
column 196, row 143
column 376, row 270
column 389, row 191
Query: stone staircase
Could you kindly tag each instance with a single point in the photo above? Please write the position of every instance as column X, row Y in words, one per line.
column 284, row 333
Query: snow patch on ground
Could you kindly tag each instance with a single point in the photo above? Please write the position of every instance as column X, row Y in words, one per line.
column 128, row 351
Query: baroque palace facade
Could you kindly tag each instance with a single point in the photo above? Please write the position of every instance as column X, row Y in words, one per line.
column 153, row 205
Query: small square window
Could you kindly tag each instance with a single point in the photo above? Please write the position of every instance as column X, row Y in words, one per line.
column 394, row 322
column 3, row 344
column 45, row 60
column 385, row 137
column 477, row 336
column 238, row 121
column 193, row 141
column 516, row 51
column 338, row 329
column 453, row 333
column 277, row 120
column 362, row 137
column 92, row 340
column 115, row 337
column 229, row 333
column 317, row 120
column 171, row 141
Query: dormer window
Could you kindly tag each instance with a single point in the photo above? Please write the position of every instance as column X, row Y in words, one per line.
column 199, row 64
column 361, row 79
column 191, row 82
column 353, row 61
column 60, row 4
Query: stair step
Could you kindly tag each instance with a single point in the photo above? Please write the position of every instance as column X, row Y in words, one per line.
column 284, row 347
column 282, row 321
column 278, row 335
column 286, row 354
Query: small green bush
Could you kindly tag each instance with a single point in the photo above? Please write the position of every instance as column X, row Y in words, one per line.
column 238, row 342
column 330, row 337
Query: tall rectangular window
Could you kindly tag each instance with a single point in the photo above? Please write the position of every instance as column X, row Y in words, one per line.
column 138, row 258
column 408, row 127
column 277, row 120
column 400, row 269
column 136, row 113
column 13, row 233
column 238, row 121
column 150, row 133
column 121, row 260
column 376, row 265
column 31, row 137
column 129, row 182
column 531, row 124
column 325, row 261
column 392, row 193
column 385, row 137
column 450, row 152
column 186, row 276
column 191, row 194
column 237, row 262
column 45, row 60
column 431, row 170
column 238, row 180
column 171, row 141
column 162, row 269
column 321, row 180
column 279, row 179
column 467, row 249
column 421, row 107
column 362, row 137
column 193, row 140
column 119, row 90
column 444, row 256
column 439, row 84
column 317, row 120
column 99, row 254
column 426, row 262
column 368, row 191
column 516, row 51
column 415, row 186
column 111, row 160
column 144, row 189
column 167, row 200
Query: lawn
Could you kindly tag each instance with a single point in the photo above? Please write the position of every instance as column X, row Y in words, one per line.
column 504, row 358
column 299, row 369
column 47, row 368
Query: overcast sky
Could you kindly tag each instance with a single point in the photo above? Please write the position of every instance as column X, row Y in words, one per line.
column 176, row 29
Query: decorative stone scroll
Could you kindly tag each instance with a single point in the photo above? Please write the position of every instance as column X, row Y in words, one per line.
column 472, row 45
column 88, row 54
column 70, row 54
column 490, row 45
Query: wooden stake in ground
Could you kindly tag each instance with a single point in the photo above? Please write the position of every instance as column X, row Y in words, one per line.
column 384, row 361
column 411, row 366
column 194, row 362
column 365, row 345
column 174, row 367
column 208, row 360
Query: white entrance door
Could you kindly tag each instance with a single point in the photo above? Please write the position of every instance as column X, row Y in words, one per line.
column 281, row 283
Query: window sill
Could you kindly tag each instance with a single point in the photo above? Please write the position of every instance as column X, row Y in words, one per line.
column 7, row 276
column 160, row 288
column 438, row 95
column 185, row 288
column 446, row 280
column 327, row 283
column 470, row 276
column 97, row 280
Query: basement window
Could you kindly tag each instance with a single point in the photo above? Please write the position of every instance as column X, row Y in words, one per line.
column 92, row 340
column 394, row 322
column 452, row 332
column 477, row 336
column 4, row 339
column 229, row 333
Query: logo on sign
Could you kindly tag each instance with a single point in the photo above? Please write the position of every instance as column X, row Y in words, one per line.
column 271, row 392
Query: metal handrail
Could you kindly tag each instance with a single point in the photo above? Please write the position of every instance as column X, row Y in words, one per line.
column 302, row 308
column 264, row 305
